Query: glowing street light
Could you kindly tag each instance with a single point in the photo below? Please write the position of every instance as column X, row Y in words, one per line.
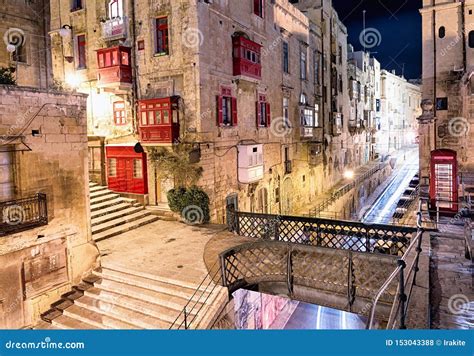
column 73, row 80
column 349, row 174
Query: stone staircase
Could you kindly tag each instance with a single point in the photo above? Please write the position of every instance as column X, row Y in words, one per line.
column 114, row 298
column 112, row 214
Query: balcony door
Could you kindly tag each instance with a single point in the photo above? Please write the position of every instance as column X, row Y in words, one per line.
column 6, row 176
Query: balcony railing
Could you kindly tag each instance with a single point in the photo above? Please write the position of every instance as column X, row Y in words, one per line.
column 115, row 29
column 23, row 214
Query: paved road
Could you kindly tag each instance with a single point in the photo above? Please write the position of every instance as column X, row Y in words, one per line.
column 315, row 317
column 382, row 210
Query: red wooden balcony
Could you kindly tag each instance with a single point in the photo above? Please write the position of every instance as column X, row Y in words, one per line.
column 247, row 58
column 159, row 120
column 114, row 67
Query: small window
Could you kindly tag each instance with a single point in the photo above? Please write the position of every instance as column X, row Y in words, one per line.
column 303, row 99
column 112, row 167
column 119, row 113
column 76, row 5
column 81, row 52
column 286, row 111
column 263, row 112
column 161, row 33
column 19, row 55
column 471, row 39
column 303, row 64
column 259, row 7
column 286, row 58
column 226, row 111
column 137, row 168
column 442, row 104
column 442, row 32
column 307, row 118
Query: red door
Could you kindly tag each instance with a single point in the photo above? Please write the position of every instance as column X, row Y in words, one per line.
column 126, row 170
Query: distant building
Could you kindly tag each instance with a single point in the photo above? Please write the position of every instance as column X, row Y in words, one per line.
column 259, row 88
column 400, row 107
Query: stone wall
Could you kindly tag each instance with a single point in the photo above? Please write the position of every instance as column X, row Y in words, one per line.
column 45, row 133
column 28, row 20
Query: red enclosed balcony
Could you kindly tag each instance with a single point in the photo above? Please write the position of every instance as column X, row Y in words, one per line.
column 114, row 67
column 247, row 58
column 159, row 120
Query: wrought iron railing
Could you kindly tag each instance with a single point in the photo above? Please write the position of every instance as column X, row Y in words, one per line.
column 341, row 279
column 191, row 314
column 336, row 234
column 325, row 204
column 23, row 214
column 406, row 272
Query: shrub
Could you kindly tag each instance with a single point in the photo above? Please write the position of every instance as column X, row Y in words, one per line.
column 191, row 203
column 6, row 76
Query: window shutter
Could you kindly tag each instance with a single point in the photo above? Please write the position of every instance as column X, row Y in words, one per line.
column 234, row 111
column 268, row 119
column 257, row 106
column 220, row 119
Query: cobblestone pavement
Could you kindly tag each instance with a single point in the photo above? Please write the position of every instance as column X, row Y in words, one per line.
column 451, row 280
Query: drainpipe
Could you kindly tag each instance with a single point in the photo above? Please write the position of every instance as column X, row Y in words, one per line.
column 135, row 93
column 435, row 65
column 463, row 34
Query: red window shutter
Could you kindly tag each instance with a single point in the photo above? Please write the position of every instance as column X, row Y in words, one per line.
column 234, row 111
column 258, row 113
column 268, row 114
column 220, row 119
column 255, row 7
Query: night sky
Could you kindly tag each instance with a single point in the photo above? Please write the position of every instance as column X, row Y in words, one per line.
column 399, row 25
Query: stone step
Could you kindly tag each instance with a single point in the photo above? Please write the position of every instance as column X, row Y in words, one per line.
column 100, row 193
column 96, row 319
column 111, row 266
column 162, row 299
column 151, row 284
column 110, row 203
column 117, row 311
column 66, row 322
column 112, row 209
column 119, row 221
column 163, row 313
column 43, row 325
column 104, row 198
column 115, row 215
column 124, row 228
column 97, row 188
column 92, row 184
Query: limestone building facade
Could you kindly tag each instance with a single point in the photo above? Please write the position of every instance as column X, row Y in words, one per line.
column 24, row 41
column 258, row 88
column 400, row 108
column 446, row 133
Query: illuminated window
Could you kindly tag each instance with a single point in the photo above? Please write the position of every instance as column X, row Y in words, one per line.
column 137, row 168
column 119, row 113
column 112, row 167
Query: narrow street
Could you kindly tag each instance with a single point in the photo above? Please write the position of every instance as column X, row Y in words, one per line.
column 382, row 210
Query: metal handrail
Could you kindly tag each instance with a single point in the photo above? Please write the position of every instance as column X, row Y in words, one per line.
column 188, row 308
column 399, row 271
column 343, row 190
column 23, row 214
column 467, row 237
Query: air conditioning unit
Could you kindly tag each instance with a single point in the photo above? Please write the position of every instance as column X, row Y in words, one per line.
column 250, row 162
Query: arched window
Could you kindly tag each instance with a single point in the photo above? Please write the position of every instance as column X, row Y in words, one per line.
column 115, row 9
column 442, row 32
column 471, row 39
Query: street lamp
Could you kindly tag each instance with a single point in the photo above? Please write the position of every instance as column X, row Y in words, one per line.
column 349, row 174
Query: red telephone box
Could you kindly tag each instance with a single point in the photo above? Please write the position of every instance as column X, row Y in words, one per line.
column 444, row 181
column 126, row 170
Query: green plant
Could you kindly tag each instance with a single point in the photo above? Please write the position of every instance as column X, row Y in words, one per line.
column 175, row 165
column 6, row 76
column 192, row 204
